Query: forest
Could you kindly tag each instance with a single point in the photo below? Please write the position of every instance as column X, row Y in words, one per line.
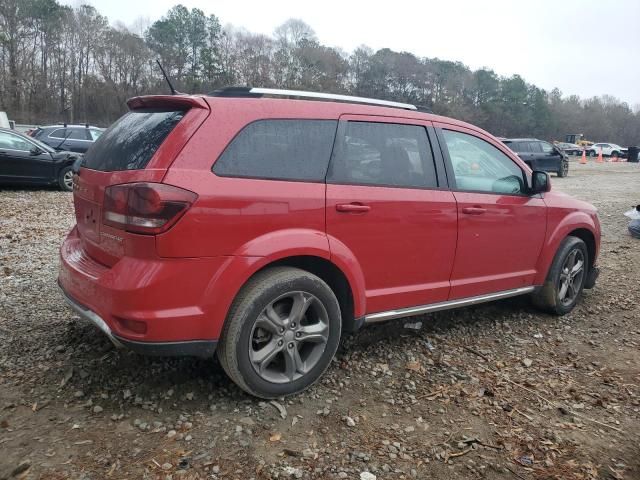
column 59, row 63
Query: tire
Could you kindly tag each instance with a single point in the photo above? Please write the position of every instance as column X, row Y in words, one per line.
column 260, row 320
column 65, row 179
column 592, row 153
column 564, row 169
column 550, row 296
column 615, row 155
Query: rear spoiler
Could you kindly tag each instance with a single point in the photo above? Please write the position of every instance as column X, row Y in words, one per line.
column 170, row 101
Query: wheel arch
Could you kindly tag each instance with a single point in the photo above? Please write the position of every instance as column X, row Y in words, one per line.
column 579, row 225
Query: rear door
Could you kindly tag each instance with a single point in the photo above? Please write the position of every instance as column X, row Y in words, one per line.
column 139, row 147
column 387, row 207
column 501, row 228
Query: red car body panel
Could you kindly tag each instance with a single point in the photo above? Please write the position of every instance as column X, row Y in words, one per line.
column 181, row 283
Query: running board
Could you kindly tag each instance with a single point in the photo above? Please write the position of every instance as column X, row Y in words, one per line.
column 436, row 307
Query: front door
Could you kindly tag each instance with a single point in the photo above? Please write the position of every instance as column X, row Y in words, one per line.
column 501, row 229
column 385, row 210
column 18, row 163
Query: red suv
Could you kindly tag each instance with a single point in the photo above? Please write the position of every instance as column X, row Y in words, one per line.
column 262, row 224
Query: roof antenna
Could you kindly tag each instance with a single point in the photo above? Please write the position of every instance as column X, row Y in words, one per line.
column 166, row 77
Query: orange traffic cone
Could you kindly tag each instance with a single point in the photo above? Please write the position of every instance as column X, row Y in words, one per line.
column 583, row 160
column 600, row 160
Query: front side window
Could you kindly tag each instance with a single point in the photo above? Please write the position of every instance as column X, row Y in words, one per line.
column 384, row 154
column 14, row 142
column 297, row 150
column 535, row 147
column 546, row 147
column 481, row 167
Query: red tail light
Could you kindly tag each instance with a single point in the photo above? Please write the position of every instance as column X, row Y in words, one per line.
column 147, row 208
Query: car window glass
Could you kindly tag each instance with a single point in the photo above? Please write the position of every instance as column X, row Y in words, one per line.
column 384, row 154
column 95, row 134
column 280, row 150
column 546, row 147
column 535, row 147
column 60, row 133
column 479, row 166
column 77, row 133
column 14, row 142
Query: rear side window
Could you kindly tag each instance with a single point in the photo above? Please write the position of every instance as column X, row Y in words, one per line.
column 519, row 147
column 130, row 143
column 280, row 150
column 384, row 154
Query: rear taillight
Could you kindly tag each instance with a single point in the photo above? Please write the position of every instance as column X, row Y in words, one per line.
column 147, row 208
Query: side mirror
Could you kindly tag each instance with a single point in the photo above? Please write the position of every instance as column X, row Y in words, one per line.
column 540, row 182
column 35, row 151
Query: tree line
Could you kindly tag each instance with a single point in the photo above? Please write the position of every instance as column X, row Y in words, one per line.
column 59, row 63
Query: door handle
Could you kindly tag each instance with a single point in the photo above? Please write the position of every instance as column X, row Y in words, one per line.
column 474, row 210
column 352, row 207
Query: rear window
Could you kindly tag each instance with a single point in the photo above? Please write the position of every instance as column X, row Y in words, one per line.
column 297, row 150
column 130, row 143
column 519, row 147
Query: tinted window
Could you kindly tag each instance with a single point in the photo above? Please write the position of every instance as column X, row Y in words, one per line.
column 280, row 150
column 479, row 166
column 130, row 143
column 14, row 142
column 59, row 133
column 383, row 154
column 546, row 147
column 77, row 133
column 535, row 147
column 519, row 147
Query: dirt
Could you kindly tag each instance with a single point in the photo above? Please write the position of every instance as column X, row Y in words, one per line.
column 498, row 391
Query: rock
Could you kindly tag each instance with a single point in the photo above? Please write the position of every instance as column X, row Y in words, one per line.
column 247, row 421
column 97, row 409
column 527, row 362
column 171, row 433
column 167, row 466
column 367, row 476
column 350, row 421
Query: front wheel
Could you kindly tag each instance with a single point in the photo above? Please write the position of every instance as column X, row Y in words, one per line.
column 65, row 179
column 565, row 281
column 281, row 333
column 564, row 169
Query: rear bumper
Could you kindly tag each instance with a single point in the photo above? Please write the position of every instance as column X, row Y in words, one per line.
column 153, row 306
column 194, row 348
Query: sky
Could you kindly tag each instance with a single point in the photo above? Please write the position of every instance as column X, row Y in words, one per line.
column 583, row 47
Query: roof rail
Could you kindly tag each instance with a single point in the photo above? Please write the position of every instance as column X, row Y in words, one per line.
column 274, row 92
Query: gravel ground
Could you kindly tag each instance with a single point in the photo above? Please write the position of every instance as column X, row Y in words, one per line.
column 496, row 391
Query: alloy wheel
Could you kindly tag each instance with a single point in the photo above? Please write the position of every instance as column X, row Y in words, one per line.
column 289, row 337
column 571, row 277
column 67, row 179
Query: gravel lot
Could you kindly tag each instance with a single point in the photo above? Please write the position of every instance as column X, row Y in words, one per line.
column 497, row 391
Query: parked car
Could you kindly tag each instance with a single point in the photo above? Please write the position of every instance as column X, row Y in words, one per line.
column 76, row 138
column 570, row 148
column 608, row 150
column 540, row 155
column 27, row 161
column 265, row 230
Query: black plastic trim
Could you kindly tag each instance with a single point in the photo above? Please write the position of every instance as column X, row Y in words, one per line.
column 191, row 348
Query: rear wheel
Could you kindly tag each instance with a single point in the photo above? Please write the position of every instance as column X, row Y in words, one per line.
column 65, row 179
column 281, row 333
column 614, row 156
column 565, row 281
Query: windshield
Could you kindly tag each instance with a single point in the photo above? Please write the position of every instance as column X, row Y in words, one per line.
column 41, row 145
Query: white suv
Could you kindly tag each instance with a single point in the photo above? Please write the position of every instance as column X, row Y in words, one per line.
column 608, row 150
